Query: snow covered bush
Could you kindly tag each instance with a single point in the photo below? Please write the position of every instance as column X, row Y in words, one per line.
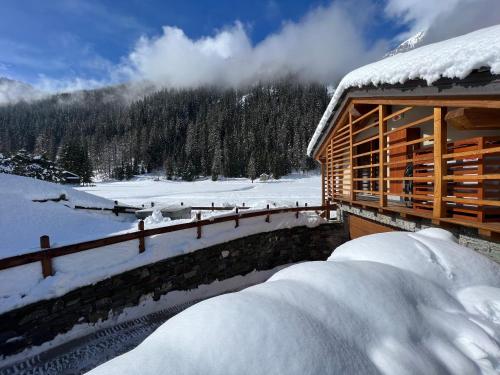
column 390, row 303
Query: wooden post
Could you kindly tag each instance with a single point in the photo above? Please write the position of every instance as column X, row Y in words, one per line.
column 382, row 143
column 323, row 195
column 142, row 246
column 351, row 178
column 268, row 216
column 297, row 212
column 237, row 219
column 440, row 148
column 212, row 206
column 198, row 229
column 46, row 259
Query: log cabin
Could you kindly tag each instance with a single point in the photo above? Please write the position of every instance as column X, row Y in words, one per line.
column 413, row 140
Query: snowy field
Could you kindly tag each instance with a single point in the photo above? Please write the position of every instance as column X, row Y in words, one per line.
column 232, row 191
column 391, row 303
column 27, row 220
column 24, row 221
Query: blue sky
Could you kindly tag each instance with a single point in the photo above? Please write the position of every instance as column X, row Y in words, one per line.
column 54, row 42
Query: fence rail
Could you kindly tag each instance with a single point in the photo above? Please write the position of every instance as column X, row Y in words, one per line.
column 46, row 254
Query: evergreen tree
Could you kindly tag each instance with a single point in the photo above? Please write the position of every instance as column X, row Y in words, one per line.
column 216, row 164
column 251, row 170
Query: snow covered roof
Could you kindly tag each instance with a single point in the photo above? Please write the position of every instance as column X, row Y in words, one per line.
column 452, row 58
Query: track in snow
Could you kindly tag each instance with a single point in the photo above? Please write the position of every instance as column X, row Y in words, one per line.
column 83, row 354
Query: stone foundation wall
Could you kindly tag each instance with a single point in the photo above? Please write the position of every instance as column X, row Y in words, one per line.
column 40, row 322
column 466, row 236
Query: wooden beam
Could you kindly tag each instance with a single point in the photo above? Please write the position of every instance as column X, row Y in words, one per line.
column 323, row 183
column 474, row 118
column 440, row 148
column 351, row 166
column 479, row 101
column 382, row 144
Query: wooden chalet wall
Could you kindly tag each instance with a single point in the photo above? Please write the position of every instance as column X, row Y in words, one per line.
column 432, row 158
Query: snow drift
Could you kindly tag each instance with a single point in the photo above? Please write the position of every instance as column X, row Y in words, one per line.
column 453, row 58
column 23, row 221
column 391, row 303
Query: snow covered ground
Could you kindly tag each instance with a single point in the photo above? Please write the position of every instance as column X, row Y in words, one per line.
column 390, row 303
column 231, row 191
column 23, row 221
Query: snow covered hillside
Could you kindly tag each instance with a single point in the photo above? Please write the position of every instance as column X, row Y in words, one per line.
column 231, row 191
column 23, row 221
column 391, row 303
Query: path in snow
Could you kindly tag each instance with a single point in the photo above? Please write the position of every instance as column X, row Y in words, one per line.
column 83, row 354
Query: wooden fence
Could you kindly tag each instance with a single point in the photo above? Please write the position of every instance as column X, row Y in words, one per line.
column 46, row 254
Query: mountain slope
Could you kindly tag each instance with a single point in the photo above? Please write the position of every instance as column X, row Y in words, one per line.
column 415, row 41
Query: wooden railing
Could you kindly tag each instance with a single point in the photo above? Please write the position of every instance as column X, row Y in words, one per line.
column 46, row 254
column 455, row 181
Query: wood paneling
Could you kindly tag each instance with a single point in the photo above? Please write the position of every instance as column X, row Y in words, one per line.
column 359, row 227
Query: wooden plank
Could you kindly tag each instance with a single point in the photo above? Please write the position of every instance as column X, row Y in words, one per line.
column 397, row 113
column 456, row 155
column 351, row 193
column 382, row 144
column 365, row 140
column 369, row 126
column 472, row 177
column 365, row 166
column 439, row 148
column 359, row 227
column 479, row 202
column 416, row 141
column 367, row 114
column 479, row 101
column 411, row 124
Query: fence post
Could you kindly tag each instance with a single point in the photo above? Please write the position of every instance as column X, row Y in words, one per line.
column 46, row 259
column 212, row 206
column 198, row 229
column 142, row 246
column 267, row 216
column 237, row 219
column 297, row 212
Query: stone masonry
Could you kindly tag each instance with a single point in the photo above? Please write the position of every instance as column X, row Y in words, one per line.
column 40, row 322
column 466, row 236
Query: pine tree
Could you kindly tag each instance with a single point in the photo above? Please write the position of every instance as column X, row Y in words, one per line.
column 217, row 164
column 251, row 170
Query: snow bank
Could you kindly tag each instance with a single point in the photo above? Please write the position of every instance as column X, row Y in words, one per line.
column 23, row 221
column 390, row 303
column 453, row 58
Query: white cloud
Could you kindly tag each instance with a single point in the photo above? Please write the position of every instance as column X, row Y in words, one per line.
column 443, row 19
column 322, row 46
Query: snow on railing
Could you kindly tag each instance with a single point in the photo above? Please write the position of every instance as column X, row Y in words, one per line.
column 46, row 254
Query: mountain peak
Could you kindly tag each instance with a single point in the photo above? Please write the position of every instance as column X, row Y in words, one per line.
column 411, row 43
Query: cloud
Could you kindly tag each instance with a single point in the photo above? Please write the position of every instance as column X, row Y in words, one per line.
column 443, row 19
column 322, row 46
